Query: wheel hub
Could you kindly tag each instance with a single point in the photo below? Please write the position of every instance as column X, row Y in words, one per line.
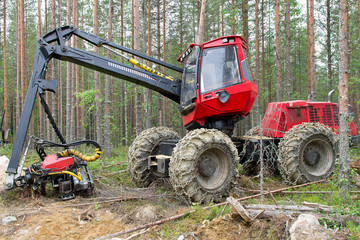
column 212, row 168
column 317, row 156
column 207, row 166
column 312, row 157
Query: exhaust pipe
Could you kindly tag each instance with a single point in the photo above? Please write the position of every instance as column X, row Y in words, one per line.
column 330, row 95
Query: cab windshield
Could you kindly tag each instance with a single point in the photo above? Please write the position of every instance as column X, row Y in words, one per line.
column 188, row 89
column 219, row 68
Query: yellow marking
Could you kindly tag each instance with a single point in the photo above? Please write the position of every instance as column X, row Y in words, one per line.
column 149, row 69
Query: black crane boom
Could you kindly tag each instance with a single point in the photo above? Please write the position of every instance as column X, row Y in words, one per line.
column 52, row 45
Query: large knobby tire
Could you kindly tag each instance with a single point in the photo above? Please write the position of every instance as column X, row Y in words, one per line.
column 204, row 166
column 307, row 153
column 144, row 145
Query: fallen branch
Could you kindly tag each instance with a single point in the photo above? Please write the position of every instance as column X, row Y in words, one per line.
column 120, row 199
column 116, row 199
column 273, row 191
column 146, row 225
column 306, row 192
column 115, row 164
column 291, row 213
column 138, row 234
column 317, row 205
column 296, row 208
column 112, row 173
column 273, row 198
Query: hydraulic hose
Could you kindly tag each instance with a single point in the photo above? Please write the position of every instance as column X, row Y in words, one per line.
column 140, row 65
column 68, row 152
column 67, row 172
column 78, row 154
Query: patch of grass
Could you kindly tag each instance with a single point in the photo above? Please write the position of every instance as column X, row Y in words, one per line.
column 216, row 211
column 112, row 170
column 354, row 230
column 190, row 222
column 5, row 149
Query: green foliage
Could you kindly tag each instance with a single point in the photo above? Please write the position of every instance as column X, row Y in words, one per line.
column 87, row 99
column 97, row 206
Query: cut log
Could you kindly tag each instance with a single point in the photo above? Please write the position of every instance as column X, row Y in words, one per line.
column 297, row 208
column 239, row 209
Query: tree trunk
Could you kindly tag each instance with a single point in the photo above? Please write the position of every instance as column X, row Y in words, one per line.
column 41, row 111
column 287, row 60
column 200, row 37
column 123, row 109
column 357, row 115
column 245, row 20
column 312, row 52
column 160, row 97
column 344, row 169
column 98, row 112
column 53, row 71
column 308, row 47
column 165, row 101
column 328, row 45
column 257, row 47
column 22, row 52
column 222, row 17
column 257, row 54
column 138, row 102
column 18, row 69
column 75, row 118
column 263, row 50
column 60, row 99
column 68, row 84
column 107, row 136
column 48, row 77
column 181, row 26
column 6, row 108
column 278, row 52
column 269, row 51
column 148, row 122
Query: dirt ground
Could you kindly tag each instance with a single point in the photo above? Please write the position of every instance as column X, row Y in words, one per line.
column 112, row 210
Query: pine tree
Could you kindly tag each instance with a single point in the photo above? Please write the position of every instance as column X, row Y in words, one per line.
column 344, row 168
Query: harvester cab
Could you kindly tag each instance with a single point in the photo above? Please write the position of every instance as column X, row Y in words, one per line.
column 218, row 87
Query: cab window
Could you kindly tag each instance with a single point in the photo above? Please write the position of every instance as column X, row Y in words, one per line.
column 246, row 66
column 219, row 68
column 189, row 83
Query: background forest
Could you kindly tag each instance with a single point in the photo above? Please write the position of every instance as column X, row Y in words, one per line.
column 89, row 105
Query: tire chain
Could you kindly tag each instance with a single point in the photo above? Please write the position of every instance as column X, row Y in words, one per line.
column 287, row 150
column 183, row 167
column 269, row 155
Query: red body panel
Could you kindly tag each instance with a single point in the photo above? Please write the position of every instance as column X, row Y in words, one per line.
column 57, row 164
column 281, row 117
column 241, row 100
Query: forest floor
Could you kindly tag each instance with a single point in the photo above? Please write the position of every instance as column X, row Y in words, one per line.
column 117, row 205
